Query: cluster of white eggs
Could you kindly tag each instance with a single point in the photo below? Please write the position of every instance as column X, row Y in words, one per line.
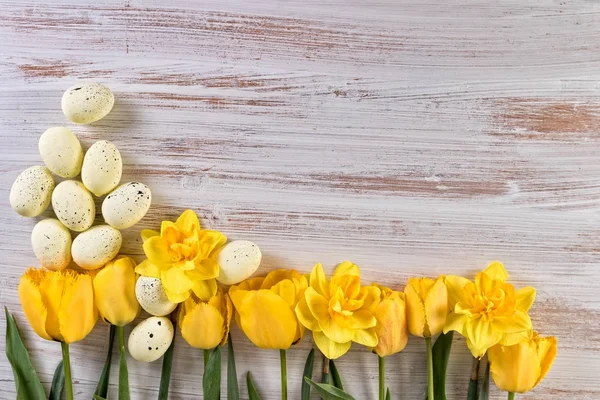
column 72, row 200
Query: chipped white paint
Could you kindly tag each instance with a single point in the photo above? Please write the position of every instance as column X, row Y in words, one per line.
column 411, row 139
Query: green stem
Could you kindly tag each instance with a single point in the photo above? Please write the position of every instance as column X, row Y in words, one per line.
column 325, row 375
column 206, row 357
column 430, row 393
column 511, row 396
column 381, row 378
column 67, row 367
column 283, row 361
column 123, row 371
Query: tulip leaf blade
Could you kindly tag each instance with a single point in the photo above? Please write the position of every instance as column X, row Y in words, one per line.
column 165, row 373
column 441, row 354
column 102, row 387
column 335, row 375
column 252, row 392
column 308, row 372
column 328, row 392
column 27, row 383
column 485, row 387
column 388, row 394
column 58, row 382
column 211, row 381
column 96, row 397
column 233, row 390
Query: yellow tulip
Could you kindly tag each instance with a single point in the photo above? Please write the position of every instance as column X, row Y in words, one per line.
column 427, row 306
column 265, row 308
column 489, row 310
column 181, row 255
column 114, row 291
column 59, row 305
column 340, row 311
column 520, row 367
column 205, row 324
column 391, row 328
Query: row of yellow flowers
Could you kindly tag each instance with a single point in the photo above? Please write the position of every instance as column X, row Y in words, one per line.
column 275, row 311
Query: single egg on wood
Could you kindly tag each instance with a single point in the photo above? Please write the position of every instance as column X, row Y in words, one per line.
column 61, row 151
column 87, row 102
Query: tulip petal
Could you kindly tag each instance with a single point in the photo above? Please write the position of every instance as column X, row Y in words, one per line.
column 267, row 320
column 287, row 291
column 203, row 327
column 318, row 280
column 305, row 317
column 114, row 292
column 317, row 304
column 366, row 337
column 481, row 336
column 274, row 277
column 34, row 308
column 525, row 298
column 205, row 289
column 329, row 348
column 228, row 315
column 547, row 348
column 496, row 271
column 455, row 285
column 514, row 368
column 146, row 268
column 157, row 250
column 52, row 288
column 347, row 268
column 436, row 307
column 148, row 233
column 372, row 298
column 251, row 284
column 415, row 309
column 78, row 301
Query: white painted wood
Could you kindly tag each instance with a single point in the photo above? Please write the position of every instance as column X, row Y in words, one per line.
column 414, row 138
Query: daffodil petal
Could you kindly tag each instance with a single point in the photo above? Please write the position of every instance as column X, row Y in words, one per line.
column 146, row 268
column 34, row 308
column 525, row 298
column 318, row 280
column 496, row 271
column 157, row 250
column 148, row 233
column 329, row 348
column 518, row 322
column 188, row 222
column 482, row 336
column 177, row 297
column 336, row 332
column 455, row 285
column 176, row 280
column 305, row 317
column 366, row 337
column 347, row 268
column 455, row 322
column 205, row 289
column 510, row 339
column 372, row 299
column 363, row 319
column 317, row 304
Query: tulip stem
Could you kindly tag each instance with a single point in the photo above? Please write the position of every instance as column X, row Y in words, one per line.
column 283, row 362
column 430, row 393
column 67, row 367
column 511, row 396
column 206, row 356
column 381, row 378
column 123, row 371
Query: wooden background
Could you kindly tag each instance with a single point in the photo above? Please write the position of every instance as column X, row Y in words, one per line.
column 411, row 137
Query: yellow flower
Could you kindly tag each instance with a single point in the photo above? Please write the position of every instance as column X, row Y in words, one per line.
column 181, row 256
column 391, row 328
column 114, row 291
column 520, row 367
column 59, row 305
column 489, row 310
column 205, row 324
column 427, row 306
column 339, row 312
column 265, row 308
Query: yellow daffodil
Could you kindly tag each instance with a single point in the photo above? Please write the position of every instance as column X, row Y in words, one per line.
column 391, row 328
column 489, row 310
column 265, row 308
column 520, row 367
column 114, row 291
column 427, row 306
column 59, row 305
column 181, row 255
column 205, row 324
column 340, row 311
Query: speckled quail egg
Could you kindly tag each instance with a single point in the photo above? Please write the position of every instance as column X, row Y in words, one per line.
column 51, row 242
column 102, row 168
column 73, row 205
column 61, row 151
column 31, row 192
column 87, row 102
column 238, row 260
column 152, row 297
column 97, row 246
column 126, row 205
column 150, row 339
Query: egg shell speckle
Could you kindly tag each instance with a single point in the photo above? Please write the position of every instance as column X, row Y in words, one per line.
column 95, row 247
column 238, row 260
column 152, row 296
column 51, row 242
column 73, row 205
column 61, row 151
column 31, row 192
column 126, row 205
column 102, row 168
column 87, row 102
column 150, row 339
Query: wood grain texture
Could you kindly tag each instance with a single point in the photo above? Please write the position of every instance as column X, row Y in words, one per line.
column 414, row 138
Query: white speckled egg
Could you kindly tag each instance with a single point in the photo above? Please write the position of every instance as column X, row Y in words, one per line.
column 102, row 168
column 238, row 260
column 150, row 339
column 152, row 296
column 31, row 193
column 51, row 243
column 73, row 205
column 61, row 151
column 87, row 103
column 126, row 205
column 97, row 246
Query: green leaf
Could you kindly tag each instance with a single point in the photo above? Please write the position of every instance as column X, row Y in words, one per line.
column 308, row 371
column 211, row 382
column 102, row 387
column 441, row 354
column 485, row 388
column 123, row 372
column 474, row 381
column 27, row 383
column 388, row 394
column 165, row 373
column 252, row 393
column 233, row 391
column 58, row 383
column 335, row 376
column 96, row 397
column 328, row 392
